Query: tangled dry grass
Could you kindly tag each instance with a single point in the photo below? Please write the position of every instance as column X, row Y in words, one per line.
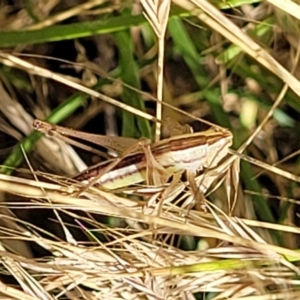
column 149, row 242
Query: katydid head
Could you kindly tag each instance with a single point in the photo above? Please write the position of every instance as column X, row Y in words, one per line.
column 36, row 124
column 219, row 143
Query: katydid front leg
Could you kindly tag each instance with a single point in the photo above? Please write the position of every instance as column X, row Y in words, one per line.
column 199, row 197
column 156, row 174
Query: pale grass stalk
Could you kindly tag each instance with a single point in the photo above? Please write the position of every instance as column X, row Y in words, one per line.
column 157, row 13
column 288, row 6
column 13, row 61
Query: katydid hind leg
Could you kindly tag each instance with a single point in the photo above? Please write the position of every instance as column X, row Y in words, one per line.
column 112, row 165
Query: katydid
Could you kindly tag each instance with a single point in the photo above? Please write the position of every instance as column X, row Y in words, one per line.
column 145, row 162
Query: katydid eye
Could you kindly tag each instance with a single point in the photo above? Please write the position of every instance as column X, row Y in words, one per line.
column 36, row 124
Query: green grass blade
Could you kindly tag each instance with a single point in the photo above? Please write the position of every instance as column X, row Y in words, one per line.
column 73, row 31
column 130, row 76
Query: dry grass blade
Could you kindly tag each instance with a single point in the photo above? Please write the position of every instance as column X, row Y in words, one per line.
column 133, row 263
column 135, row 214
column 266, row 166
column 215, row 19
column 78, row 9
